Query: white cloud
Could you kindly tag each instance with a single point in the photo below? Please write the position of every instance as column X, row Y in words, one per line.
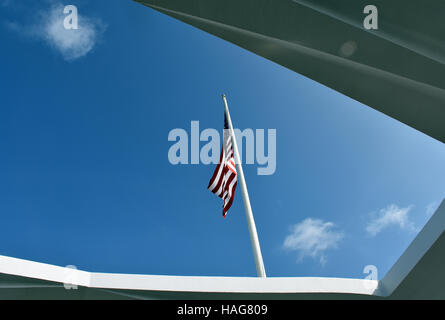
column 70, row 43
column 392, row 215
column 312, row 237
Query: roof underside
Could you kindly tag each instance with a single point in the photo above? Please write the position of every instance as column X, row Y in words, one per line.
column 397, row 69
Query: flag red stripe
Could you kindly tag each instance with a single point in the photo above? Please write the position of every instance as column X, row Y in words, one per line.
column 225, row 179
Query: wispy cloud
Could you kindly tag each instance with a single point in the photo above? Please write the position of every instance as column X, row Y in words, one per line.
column 431, row 208
column 312, row 237
column 70, row 43
column 390, row 216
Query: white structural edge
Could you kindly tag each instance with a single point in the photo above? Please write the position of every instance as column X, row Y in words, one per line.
column 417, row 249
column 36, row 270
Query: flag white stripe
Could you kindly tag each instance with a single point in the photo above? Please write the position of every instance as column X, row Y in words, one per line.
column 225, row 172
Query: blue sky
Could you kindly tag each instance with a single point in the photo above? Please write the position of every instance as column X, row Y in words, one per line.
column 85, row 176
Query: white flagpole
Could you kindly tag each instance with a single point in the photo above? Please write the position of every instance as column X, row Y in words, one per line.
column 261, row 272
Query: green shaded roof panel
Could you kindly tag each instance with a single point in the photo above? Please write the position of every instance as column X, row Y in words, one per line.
column 398, row 69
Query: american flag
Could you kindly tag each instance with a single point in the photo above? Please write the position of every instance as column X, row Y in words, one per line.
column 225, row 178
